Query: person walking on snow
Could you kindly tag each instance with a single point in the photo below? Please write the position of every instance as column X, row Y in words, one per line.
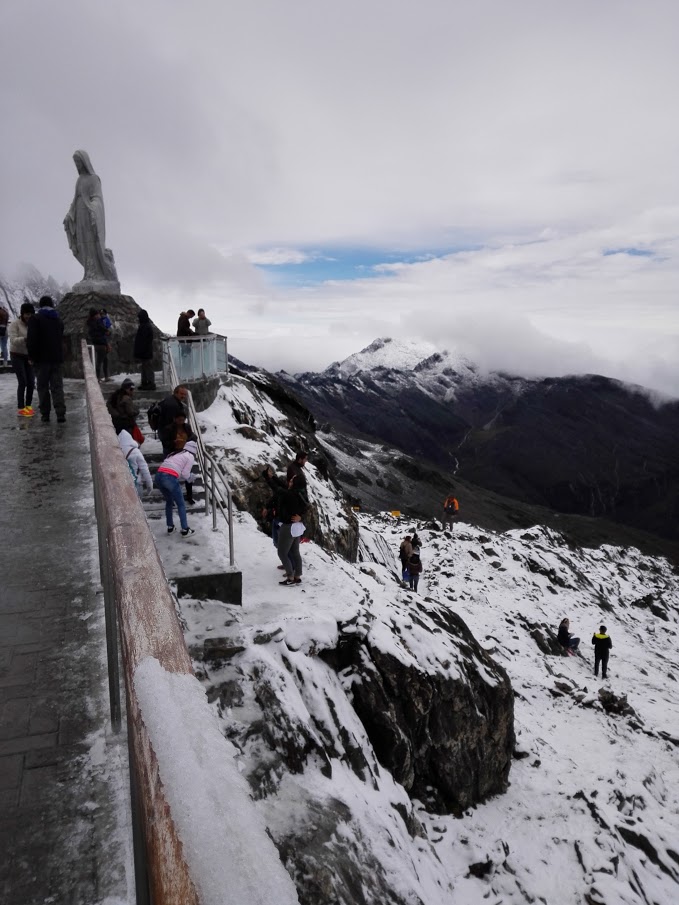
column 136, row 462
column 405, row 551
column 602, row 645
column 451, row 507
column 565, row 639
column 176, row 467
column 414, row 570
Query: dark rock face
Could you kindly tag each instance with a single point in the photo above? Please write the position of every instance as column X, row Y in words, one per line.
column 448, row 741
column 123, row 310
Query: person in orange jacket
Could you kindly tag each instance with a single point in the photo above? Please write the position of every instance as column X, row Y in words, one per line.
column 451, row 507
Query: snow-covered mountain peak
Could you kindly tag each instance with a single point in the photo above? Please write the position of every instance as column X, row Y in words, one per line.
column 396, row 354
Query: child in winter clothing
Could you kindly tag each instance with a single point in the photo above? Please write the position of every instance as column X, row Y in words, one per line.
column 602, row 645
column 137, row 463
column 176, row 467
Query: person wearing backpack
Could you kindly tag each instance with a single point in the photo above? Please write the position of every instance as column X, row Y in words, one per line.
column 136, row 462
column 451, row 507
column 143, row 351
column 602, row 646
column 175, row 468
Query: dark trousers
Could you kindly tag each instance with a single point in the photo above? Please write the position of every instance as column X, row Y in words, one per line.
column 603, row 659
column 148, row 377
column 25, row 379
column 51, row 380
column 101, row 361
column 414, row 581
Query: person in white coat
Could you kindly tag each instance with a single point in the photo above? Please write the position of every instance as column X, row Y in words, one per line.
column 136, row 461
column 175, row 468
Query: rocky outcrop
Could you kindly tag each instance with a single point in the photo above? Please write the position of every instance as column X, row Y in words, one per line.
column 448, row 739
column 123, row 310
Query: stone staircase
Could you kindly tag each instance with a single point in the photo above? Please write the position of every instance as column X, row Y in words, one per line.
column 197, row 566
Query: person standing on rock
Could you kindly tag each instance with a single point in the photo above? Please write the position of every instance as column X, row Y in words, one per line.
column 143, row 351
column 565, row 639
column 291, row 508
column 45, row 345
column 22, row 364
column 602, row 646
column 97, row 336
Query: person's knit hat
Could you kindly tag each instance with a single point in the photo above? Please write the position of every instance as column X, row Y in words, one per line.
column 126, row 383
column 191, row 446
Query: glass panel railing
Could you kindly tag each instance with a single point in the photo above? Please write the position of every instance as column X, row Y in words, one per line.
column 199, row 356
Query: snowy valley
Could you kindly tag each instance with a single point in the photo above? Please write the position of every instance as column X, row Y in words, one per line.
column 386, row 750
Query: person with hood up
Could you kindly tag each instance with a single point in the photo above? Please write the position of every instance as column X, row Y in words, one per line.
column 602, row 646
column 143, row 351
column 23, row 366
column 136, row 462
column 97, row 336
column 175, row 468
column 45, row 345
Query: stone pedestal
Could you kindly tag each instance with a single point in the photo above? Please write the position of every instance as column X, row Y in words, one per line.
column 123, row 310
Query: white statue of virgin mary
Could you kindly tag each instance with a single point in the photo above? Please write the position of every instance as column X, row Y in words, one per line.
column 86, row 231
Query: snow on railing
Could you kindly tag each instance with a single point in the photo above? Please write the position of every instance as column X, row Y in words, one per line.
column 171, row 863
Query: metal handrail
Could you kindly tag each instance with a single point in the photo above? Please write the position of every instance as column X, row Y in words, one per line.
column 217, row 491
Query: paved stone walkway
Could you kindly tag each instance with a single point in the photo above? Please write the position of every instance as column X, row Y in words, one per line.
column 64, row 788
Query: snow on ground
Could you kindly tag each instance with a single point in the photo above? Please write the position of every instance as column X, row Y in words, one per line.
column 592, row 811
column 586, row 779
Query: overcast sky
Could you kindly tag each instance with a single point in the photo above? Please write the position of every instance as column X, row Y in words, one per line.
column 498, row 176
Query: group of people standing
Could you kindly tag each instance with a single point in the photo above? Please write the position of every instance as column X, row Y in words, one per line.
column 286, row 509
column 201, row 324
column 36, row 349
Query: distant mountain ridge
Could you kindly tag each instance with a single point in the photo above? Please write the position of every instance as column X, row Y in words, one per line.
column 586, row 444
column 28, row 285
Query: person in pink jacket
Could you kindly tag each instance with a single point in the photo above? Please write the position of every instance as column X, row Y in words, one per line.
column 175, row 468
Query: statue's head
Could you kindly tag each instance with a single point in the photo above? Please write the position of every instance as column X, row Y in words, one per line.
column 82, row 163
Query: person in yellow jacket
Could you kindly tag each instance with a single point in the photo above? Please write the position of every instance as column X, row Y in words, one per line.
column 602, row 645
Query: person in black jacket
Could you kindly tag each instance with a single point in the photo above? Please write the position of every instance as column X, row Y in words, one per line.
column 566, row 639
column 171, row 406
column 45, row 344
column 602, row 645
column 270, row 509
column 97, row 336
column 291, row 508
column 143, row 351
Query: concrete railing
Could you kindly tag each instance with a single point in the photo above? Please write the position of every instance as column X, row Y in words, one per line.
column 138, row 600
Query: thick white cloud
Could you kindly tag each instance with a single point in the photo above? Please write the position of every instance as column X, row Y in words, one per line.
column 543, row 134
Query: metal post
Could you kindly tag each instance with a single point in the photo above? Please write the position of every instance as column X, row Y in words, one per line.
column 230, row 520
column 214, row 496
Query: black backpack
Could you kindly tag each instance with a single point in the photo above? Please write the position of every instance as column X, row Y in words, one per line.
column 153, row 416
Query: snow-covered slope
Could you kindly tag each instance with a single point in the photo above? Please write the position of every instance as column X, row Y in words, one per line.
column 592, row 810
